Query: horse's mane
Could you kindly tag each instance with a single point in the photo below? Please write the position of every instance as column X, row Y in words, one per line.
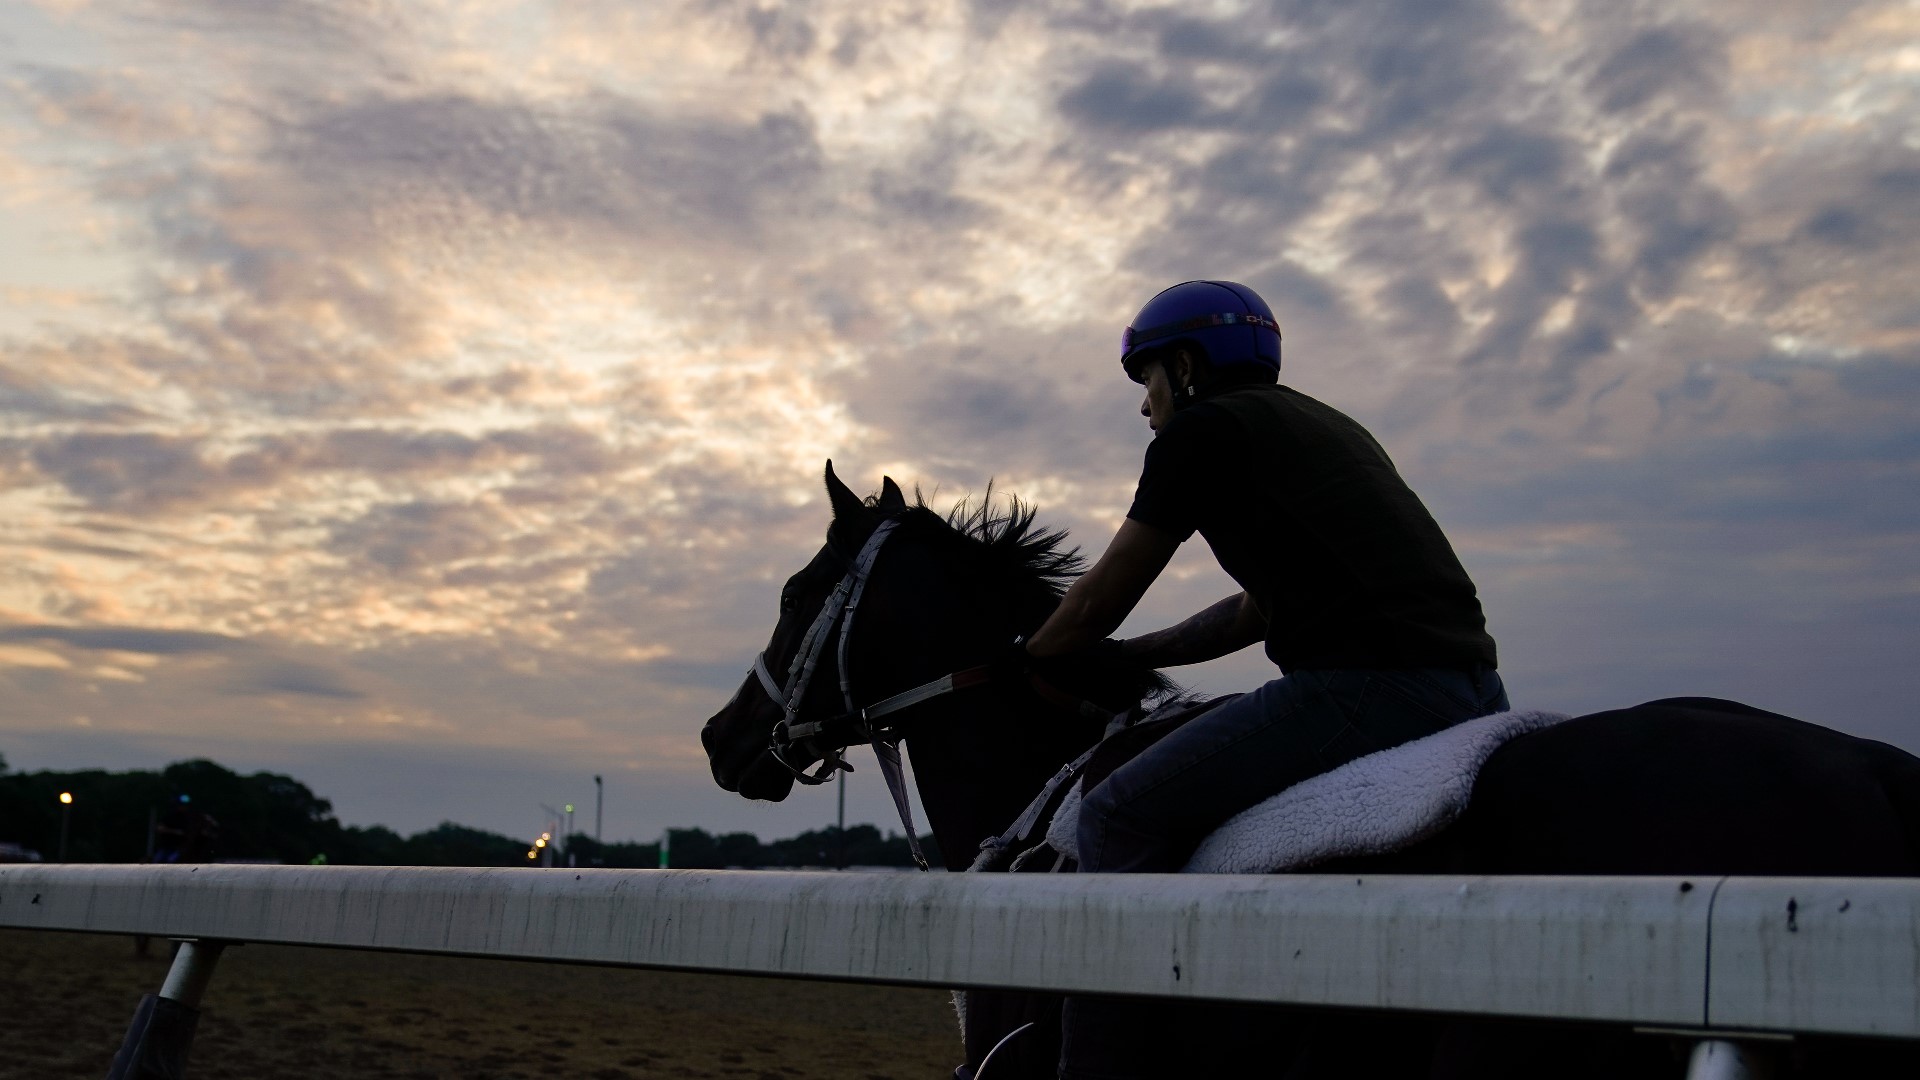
column 1005, row 533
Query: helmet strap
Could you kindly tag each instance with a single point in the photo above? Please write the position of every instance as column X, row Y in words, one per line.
column 1183, row 396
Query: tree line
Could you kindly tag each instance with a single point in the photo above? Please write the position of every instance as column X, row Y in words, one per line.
column 201, row 811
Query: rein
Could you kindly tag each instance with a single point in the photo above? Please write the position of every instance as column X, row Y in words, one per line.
column 858, row 723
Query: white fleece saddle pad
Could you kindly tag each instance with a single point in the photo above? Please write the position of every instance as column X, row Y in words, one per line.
column 1369, row 806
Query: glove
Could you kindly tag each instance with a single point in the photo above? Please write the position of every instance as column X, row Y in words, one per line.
column 1015, row 666
column 1012, row 665
column 1105, row 652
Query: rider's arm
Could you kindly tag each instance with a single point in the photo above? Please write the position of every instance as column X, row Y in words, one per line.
column 1228, row 626
column 1103, row 597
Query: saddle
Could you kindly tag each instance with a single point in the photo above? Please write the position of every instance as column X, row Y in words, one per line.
column 1030, row 843
column 1375, row 804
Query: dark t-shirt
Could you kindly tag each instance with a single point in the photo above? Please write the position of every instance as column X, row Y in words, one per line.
column 1306, row 511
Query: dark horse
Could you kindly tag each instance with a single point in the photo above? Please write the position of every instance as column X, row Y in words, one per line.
column 1685, row 786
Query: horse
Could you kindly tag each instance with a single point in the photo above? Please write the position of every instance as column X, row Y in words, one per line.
column 1683, row 786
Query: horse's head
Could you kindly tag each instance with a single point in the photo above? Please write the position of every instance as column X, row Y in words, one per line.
column 739, row 736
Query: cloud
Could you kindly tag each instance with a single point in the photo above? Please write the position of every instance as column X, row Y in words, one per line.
column 1121, row 98
column 1684, row 61
column 291, row 677
column 410, row 536
column 131, row 639
column 591, row 165
column 1514, row 163
column 137, row 471
column 30, row 396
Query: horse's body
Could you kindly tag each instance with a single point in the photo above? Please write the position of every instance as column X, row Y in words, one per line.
column 1688, row 786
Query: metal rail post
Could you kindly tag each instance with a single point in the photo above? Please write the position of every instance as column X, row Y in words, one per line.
column 1725, row 1059
column 162, row 1030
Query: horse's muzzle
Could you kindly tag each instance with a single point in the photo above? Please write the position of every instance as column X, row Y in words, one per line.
column 766, row 779
column 735, row 739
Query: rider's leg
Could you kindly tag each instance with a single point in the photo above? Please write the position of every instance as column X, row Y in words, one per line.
column 1150, row 813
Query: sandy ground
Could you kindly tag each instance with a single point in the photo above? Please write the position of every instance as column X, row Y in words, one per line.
column 275, row 1011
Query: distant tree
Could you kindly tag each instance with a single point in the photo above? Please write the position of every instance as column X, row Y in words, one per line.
column 628, row 856
column 263, row 816
column 694, row 849
column 272, row 816
column 864, row 846
column 375, row 845
column 740, row 849
column 447, row 844
column 107, row 821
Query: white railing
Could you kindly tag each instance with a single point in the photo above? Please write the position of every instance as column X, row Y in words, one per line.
column 1709, row 954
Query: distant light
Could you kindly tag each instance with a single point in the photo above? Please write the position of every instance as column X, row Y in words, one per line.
column 542, row 842
column 569, row 808
column 533, row 854
column 186, row 798
column 66, row 797
column 546, row 836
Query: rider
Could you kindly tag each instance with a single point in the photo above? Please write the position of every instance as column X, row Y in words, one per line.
column 1360, row 600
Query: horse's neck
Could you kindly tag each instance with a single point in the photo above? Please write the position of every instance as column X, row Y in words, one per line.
column 976, row 759
column 981, row 755
column 978, row 762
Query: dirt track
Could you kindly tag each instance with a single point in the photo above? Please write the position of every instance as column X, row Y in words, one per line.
column 280, row 1012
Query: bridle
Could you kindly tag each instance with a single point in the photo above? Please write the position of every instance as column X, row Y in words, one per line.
column 790, row 730
column 860, row 724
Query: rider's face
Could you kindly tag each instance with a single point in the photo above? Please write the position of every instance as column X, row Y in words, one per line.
column 1158, row 406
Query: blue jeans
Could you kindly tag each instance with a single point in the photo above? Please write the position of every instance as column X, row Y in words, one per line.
column 1153, row 811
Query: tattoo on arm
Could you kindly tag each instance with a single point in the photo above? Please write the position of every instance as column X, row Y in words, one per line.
column 1228, row 626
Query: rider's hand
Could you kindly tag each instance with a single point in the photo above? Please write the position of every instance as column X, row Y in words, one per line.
column 1012, row 665
column 1015, row 666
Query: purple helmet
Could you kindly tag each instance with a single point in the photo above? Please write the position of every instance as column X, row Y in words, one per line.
column 1229, row 322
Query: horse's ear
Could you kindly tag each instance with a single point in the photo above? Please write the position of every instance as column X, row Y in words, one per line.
column 845, row 503
column 891, row 498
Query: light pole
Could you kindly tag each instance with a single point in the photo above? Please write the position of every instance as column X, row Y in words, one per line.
column 556, row 820
column 599, row 805
column 66, row 816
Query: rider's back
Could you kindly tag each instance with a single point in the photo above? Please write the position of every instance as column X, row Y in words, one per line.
column 1305, row 510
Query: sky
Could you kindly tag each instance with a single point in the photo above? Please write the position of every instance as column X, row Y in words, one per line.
column 426, row 399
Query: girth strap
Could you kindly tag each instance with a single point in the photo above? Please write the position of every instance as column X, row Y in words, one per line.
column 1021, row 831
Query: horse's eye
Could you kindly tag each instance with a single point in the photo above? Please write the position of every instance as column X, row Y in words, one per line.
column 786, row 601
